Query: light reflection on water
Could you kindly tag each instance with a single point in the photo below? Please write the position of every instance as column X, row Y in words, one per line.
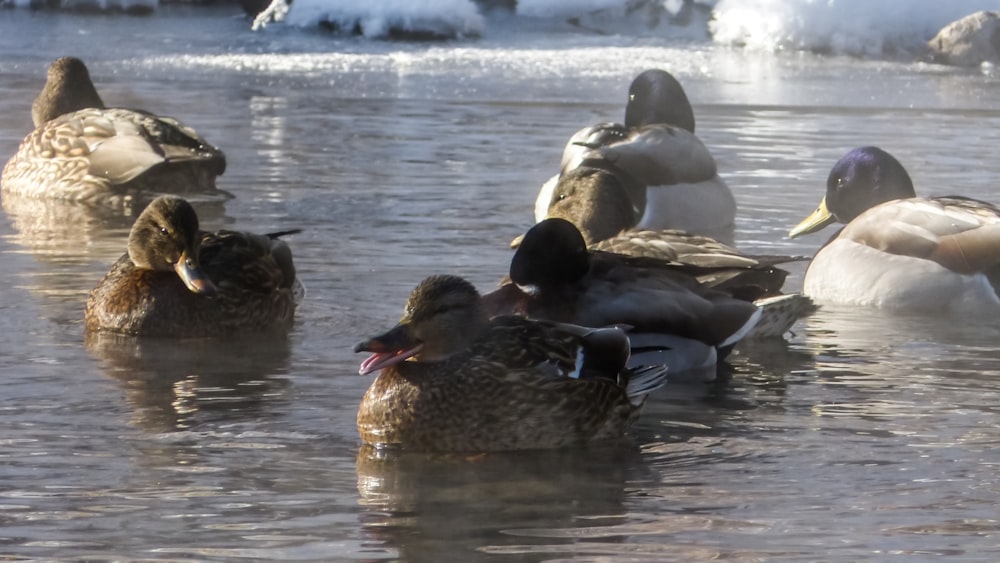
column 864, row 436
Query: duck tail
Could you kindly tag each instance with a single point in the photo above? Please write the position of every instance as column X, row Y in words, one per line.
column 280, row 234
column 644, row 380
column 686, row 357
column 779, row 313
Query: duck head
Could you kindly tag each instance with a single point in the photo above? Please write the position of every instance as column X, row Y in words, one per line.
column 553, row 253
column 166, row 237
column 68, row 88
column 860, row 180
column 442, row 317
column 655, row 96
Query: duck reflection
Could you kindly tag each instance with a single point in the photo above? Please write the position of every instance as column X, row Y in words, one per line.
column 180, row 384
column 426, row 506
column 883, row 366
column 51, row 228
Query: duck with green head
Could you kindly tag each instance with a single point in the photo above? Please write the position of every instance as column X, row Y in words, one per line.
column 899, row 251
column 82, row 150
column 452, row 379
column 178, row 281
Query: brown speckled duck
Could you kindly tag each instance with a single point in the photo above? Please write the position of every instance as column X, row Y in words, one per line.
column 452, row 379
column 178, row 281
column 81, row 150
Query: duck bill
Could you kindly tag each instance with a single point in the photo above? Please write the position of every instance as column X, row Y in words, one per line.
column 814, row 222
column 388, row 349
column 194, row 278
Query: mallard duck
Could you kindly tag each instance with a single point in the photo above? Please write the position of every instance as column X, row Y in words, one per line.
column 554, row 276
column 178, row 281
column 594, row 201
column 83, row 151
column 452, row 379
column 899, row 251
column 669, row 175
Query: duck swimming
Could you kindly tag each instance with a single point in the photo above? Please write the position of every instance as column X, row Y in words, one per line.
column 594, row 201
column 669, row 175
column 899, row 251
column 452, row 379
column 82, row 150
column 554, row 276
column 178, row 281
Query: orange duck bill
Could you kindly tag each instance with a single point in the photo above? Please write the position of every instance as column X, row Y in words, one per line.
column 388, row 349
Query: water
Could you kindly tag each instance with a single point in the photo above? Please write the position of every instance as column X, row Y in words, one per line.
column 865, row 437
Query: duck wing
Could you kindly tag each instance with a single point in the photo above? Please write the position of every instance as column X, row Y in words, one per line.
column 661, row 154
column 961, row 234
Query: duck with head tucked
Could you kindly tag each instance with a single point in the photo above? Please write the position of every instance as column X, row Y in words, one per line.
column 554, row 276
column 899, row 251
column 669, row 176
column 594, row 200
column 81, row 150
column 452, row 379
column 178, row 281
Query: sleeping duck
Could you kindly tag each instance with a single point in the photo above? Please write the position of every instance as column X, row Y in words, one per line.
column 178, row 281
column 669, row 175
column 81, row 150
column 899, row 251
column 594, row 201
column 554, row 276
column 453, row 379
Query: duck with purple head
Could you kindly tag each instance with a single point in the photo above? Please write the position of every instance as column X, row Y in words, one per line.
column 898, row 251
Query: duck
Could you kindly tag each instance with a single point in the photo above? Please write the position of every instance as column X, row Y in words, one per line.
column 453, row 379
column 897, row 251
column 81, row 150
column 178, row 281
column 670, row 176
column 554, row 276
column 594, row 200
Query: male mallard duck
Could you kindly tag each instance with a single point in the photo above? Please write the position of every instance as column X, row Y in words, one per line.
column 179, row 281
column 669, row 175
column 452, row 379
column 899, row 251
column 83, row 151
column 554, row 276
column 594, row 200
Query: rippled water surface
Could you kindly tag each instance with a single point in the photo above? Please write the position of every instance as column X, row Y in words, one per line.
column 865, row 437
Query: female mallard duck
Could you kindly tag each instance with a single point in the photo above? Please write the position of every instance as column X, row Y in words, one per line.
column 899, row 251
column 670, row 176
column 452, row 379
column 554, row 276
column 179, row 281
column 83, row 151
column 594, row 200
